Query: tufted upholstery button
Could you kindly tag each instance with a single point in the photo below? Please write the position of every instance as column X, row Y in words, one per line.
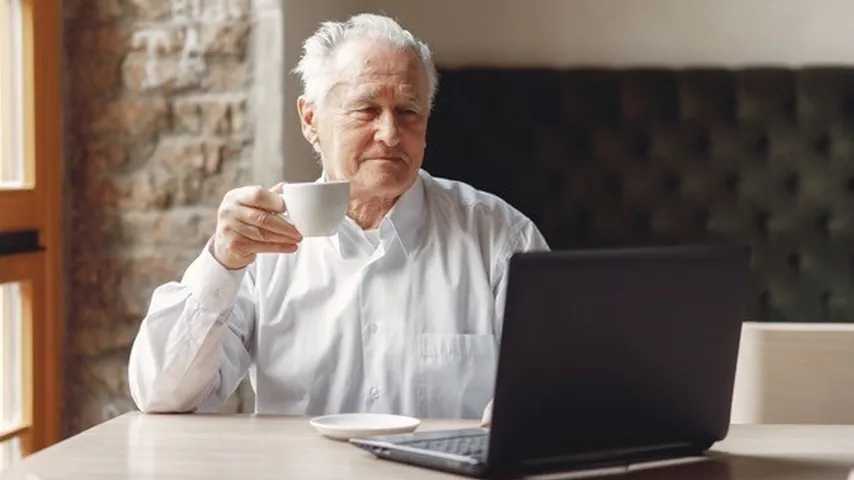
column 612, row 183
column 761, row 145
column 554, row 183
column 761, row 220
column 821, row 144
column 702, row 145
column 793, row 260
column 792, row 184
column 822, row 224
column 642, row 224
column 827, row 299
column 641, row 145
column 670, row 183
column 701, row 219
column 764, row 302
column 731, row 182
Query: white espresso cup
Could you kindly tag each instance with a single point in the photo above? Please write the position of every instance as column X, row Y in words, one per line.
column 316, row 209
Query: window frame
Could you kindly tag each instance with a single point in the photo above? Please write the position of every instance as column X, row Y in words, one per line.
column 25, row 269
column 37, row 206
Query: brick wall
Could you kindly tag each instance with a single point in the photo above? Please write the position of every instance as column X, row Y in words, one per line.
column 157, row 130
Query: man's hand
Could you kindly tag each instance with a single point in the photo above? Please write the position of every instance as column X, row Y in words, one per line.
column 248, row 223
column 486, row 420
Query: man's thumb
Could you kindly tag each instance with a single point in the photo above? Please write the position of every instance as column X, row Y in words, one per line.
column 278, row 188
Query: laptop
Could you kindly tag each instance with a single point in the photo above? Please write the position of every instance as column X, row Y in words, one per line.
column 608, row 358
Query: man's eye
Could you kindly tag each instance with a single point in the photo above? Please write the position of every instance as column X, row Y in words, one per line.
column 365, row 111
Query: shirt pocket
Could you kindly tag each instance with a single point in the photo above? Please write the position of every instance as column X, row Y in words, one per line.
column 455, row 374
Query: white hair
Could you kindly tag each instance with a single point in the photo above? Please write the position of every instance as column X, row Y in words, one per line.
column 318, row 49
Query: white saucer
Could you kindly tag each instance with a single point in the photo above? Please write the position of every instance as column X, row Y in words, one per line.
column 349, row 425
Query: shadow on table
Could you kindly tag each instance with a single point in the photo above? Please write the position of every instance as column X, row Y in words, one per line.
column 720, row 467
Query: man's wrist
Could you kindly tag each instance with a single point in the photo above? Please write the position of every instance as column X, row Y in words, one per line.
column 212, row 250
column 213, row 284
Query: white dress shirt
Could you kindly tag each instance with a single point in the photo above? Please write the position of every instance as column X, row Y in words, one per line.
column 407, row 324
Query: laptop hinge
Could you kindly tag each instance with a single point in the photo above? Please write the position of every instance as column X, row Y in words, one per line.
column 613, row 454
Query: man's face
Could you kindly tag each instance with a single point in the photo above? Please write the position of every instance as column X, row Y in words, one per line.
column 371, row 126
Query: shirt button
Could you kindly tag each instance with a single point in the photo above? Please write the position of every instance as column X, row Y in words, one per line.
column 374, row 393
column 372, row 328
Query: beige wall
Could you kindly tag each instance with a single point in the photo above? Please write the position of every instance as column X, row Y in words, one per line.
column 630, row 32
column 563, row 33
column 302, row 18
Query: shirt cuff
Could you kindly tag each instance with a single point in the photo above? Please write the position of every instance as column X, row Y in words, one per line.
column 212, row 285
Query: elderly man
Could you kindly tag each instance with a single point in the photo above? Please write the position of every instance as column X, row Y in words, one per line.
column 399, row 312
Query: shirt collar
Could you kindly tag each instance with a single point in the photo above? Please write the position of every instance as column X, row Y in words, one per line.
column 406, row 219
column 408, row 216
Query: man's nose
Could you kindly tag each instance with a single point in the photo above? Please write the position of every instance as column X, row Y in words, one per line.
column 387, row 129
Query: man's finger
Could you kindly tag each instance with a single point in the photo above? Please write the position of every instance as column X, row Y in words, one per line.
column 248, row 246
column 266, row 247
column 278, row 188
column 260, row 198
column 261, row 235
column 267, row 221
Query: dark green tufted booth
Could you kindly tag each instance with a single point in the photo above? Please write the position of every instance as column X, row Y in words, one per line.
column 638, row 157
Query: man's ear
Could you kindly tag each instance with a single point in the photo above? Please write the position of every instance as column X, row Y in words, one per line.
column 308, row 120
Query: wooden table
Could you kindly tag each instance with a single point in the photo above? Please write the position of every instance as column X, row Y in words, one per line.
column 256, row 447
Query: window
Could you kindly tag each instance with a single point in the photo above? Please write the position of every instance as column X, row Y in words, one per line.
column 11, row 371
column 30, row 261
column 16, row 314
column 10, row 451
column 11, row 153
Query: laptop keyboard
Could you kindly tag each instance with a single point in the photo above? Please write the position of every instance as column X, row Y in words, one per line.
column 467, row 446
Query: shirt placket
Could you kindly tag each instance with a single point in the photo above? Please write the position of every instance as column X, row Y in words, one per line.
column 375, row 396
